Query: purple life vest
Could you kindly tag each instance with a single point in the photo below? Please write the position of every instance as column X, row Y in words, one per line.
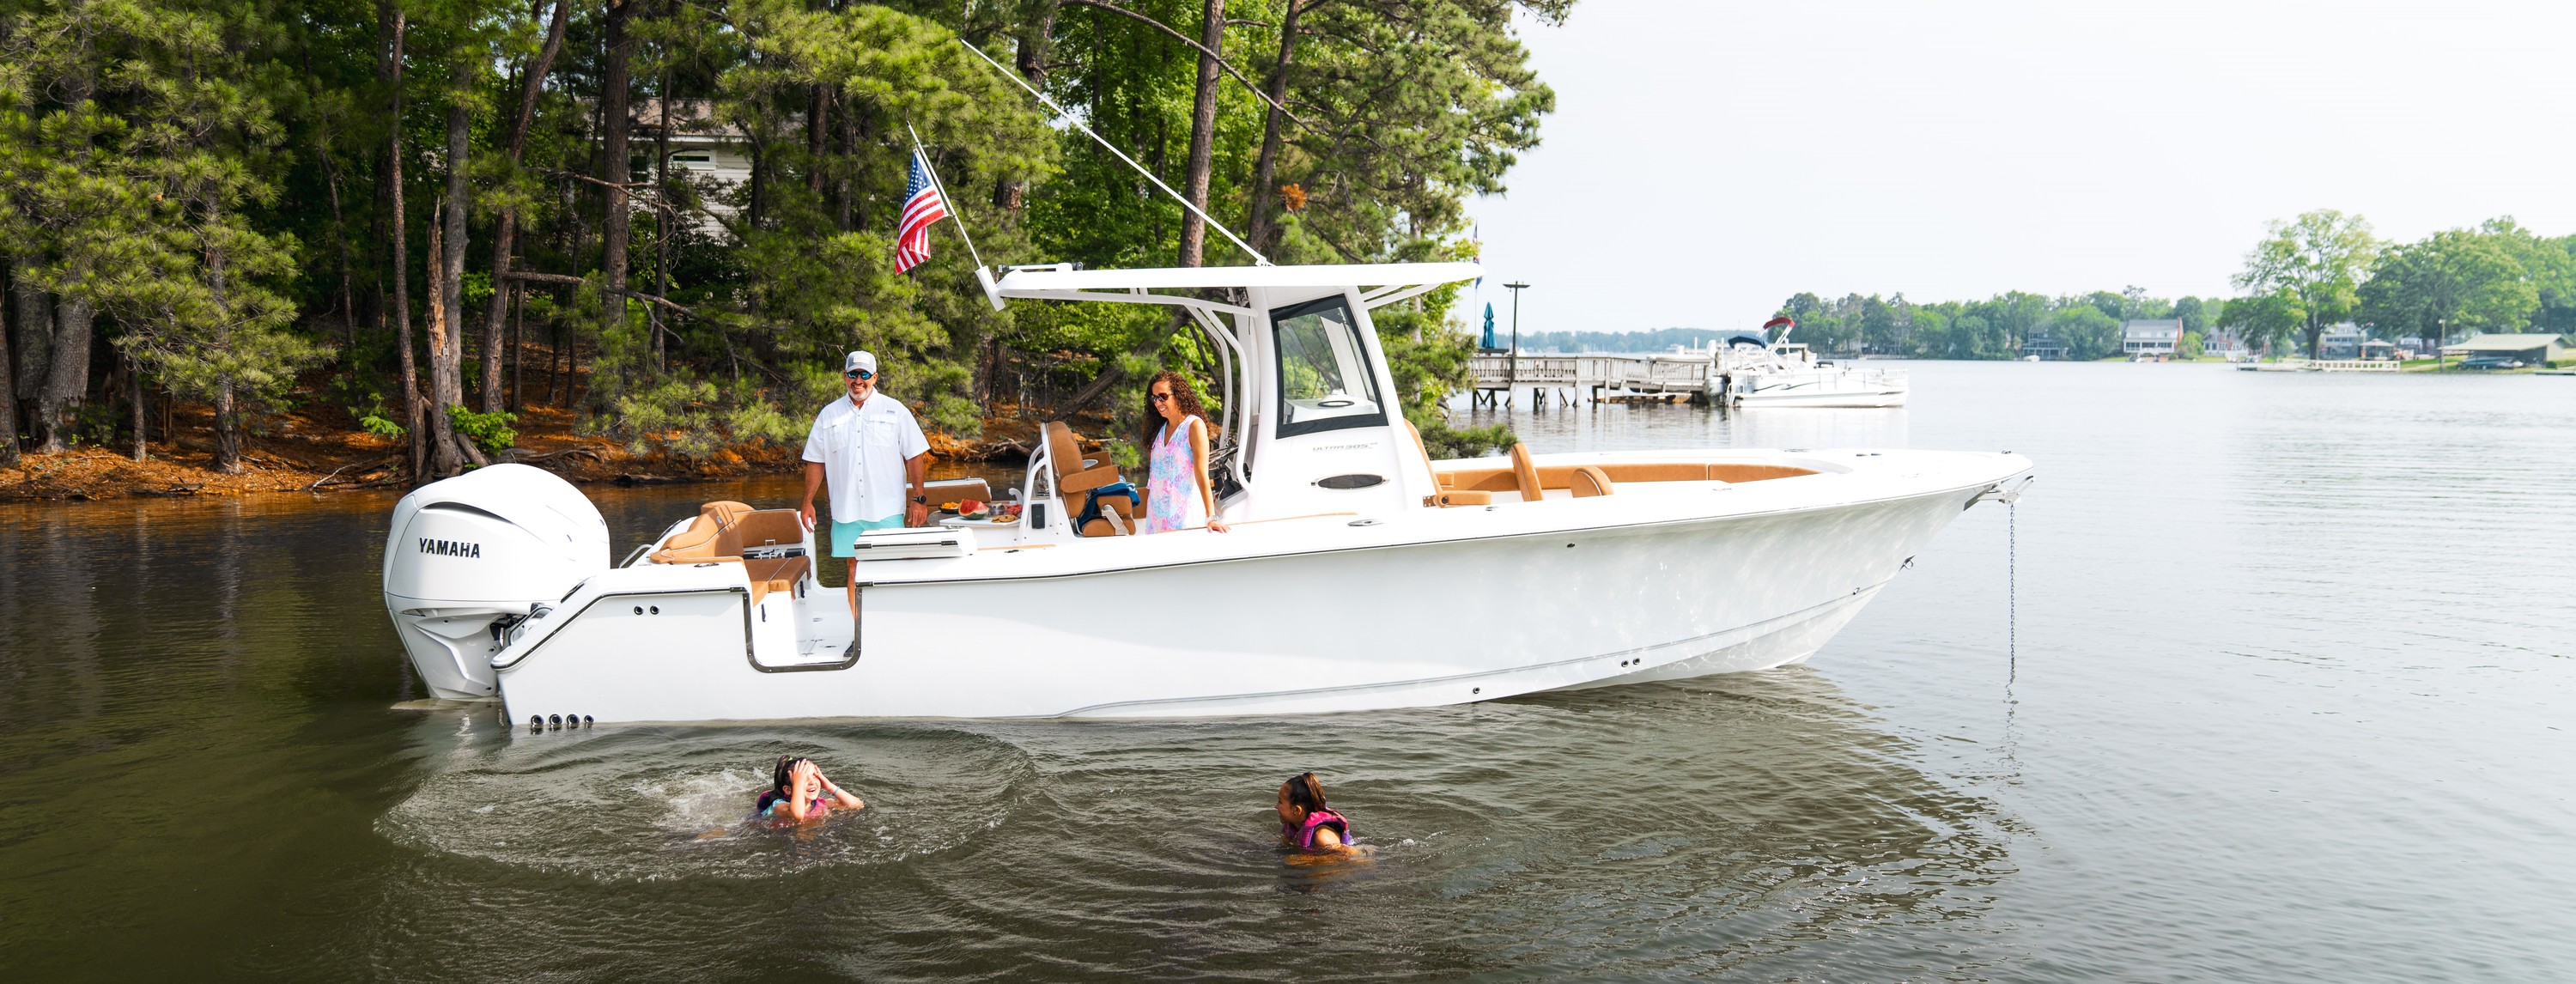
column 1302, row 836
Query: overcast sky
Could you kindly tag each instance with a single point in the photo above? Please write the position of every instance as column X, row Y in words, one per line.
column 1709, row 158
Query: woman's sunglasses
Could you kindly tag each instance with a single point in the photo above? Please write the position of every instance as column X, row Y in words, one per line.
column 860, row 374
column 1159, row 397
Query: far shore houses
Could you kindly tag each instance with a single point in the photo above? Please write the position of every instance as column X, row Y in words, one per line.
column 2153, row 339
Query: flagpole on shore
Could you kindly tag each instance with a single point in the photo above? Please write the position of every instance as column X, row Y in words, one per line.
column 944, row 196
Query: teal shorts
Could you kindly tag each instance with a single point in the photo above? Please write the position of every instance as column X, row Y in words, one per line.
column 845, row 536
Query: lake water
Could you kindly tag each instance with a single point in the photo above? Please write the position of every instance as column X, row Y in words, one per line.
column 2283, row 693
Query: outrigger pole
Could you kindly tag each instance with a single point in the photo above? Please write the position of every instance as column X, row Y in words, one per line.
column 1257, row 258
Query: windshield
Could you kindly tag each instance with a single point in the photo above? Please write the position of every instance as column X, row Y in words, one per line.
column 1324, row 378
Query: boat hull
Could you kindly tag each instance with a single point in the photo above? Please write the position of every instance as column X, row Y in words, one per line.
column 1439, row 619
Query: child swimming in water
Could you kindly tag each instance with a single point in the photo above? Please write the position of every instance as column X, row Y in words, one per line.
column 1308, row 828
column 799, row 792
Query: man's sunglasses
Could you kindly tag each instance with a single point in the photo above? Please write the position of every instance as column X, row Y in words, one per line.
column 860, row 374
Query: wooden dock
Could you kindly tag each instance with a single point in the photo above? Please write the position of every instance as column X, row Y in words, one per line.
column 1615, row 377
column 2321, row 365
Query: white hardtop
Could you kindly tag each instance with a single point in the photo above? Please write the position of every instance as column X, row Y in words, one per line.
column 1028, row 281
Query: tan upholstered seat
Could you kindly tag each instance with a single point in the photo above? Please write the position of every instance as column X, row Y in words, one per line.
column 1101, row 525
column 721, row 533
column 1072, row 472
column 1075, row 475
column 1589, row 481
column 1525, row 473
column 1445, row 496
column 710, row 537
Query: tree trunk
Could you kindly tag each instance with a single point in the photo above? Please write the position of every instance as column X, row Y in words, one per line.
column 8, row 405
column 450, row 386
column 1194, row 185
column 662, row 217
column 228, row 435
column 392, row 70
column 35, row 331
column 142, row 435
column 505, row 232
column 1259, row 228
column 227, row 432
column 819, row 109
column 443, row 460
column 1011, row 194
column 614, row 168
column 67, row 381
column 518, row 345
column 340, row 240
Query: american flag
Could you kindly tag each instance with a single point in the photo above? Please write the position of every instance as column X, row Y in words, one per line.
column 922, row 208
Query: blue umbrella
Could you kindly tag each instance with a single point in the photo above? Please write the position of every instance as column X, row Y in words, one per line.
column 1489, row 326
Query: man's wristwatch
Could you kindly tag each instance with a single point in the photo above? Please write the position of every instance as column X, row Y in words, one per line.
column 921, row 499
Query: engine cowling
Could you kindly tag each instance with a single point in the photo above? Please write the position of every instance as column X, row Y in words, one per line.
column 469, row 556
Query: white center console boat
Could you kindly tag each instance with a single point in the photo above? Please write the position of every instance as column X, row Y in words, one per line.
column 1358, row 572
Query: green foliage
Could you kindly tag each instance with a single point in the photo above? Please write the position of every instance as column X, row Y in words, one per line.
column 2320, row 259
column 2086, row 331
column 214, row 180
column 2265, row 321
column 489, row 431
column 2190, row 347
column 2452, row 283
column 96, row 424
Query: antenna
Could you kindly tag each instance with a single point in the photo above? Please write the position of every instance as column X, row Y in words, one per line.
column 1131, row 162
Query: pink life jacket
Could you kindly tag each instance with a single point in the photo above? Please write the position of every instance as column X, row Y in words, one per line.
column 1303, row 835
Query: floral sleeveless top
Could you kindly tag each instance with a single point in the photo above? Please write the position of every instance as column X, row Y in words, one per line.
column 1172, row 499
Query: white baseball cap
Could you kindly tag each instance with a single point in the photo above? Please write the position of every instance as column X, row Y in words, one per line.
column 860, row 360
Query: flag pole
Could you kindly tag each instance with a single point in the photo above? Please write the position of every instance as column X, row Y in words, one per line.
column 1112, row 148
column 945, row 196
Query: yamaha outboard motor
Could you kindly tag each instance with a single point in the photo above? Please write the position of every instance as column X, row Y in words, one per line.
column 469, row 557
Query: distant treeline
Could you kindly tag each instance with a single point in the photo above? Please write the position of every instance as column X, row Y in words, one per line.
column 2307, row 275
column 2087, row 324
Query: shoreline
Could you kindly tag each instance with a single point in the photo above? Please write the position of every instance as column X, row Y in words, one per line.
column 297, row 456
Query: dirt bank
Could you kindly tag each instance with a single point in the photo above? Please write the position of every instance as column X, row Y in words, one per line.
column 300, row 452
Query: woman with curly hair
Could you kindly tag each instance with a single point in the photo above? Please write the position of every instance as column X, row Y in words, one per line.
column 1177, row 493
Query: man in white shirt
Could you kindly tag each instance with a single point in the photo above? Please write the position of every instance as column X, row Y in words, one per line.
column 870, row 450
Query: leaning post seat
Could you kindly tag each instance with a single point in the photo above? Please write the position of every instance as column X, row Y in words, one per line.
column 1096, row 480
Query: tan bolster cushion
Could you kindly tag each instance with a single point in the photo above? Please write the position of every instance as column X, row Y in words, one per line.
column 1480, row 480
column 1689, row 471
column 1754, row 473
column 1588, row 481
column 1456, row 498
column 1086, row 480
column 703, row 540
